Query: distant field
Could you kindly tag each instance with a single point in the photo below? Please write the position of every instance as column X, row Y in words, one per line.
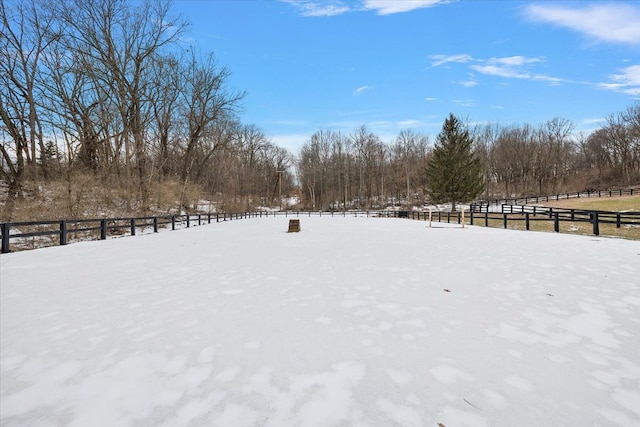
column 623, row 203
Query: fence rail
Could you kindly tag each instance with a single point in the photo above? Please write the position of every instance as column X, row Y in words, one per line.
column 66, row 231
column 483, row 204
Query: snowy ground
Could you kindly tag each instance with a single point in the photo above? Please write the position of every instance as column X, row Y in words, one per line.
column 351, row 322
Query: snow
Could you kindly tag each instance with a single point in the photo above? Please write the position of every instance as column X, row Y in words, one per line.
column 345, row 323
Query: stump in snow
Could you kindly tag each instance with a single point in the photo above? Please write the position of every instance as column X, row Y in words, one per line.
column 294, row 225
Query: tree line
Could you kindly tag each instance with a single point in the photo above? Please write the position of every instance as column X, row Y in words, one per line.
column 358, row 169
column 107, row 87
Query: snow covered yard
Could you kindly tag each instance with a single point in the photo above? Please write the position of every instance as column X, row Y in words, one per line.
column 351, row 322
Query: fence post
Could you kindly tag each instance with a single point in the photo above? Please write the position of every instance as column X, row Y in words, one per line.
column 133, row 226
column 173, row 222
column 504, row 220
column 199, row 219
column 155, row 224
column 209, row 217
column 458, row 217
column 618, row 220
column 471, row 218
column 188, row 220
column 556, row 222
column 596, row 224
column 103, row 229
column 5, row 237
column 526, row 221
column 63, row 233
column 448, row 217
column 573, row 214
column 486, row 218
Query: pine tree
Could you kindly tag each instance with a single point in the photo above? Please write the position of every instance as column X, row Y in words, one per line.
column 454, row 173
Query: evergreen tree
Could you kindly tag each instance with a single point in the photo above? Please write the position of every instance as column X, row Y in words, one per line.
column 454, row 173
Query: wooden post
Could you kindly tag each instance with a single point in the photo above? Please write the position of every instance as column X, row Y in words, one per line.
column 596, row 224
column 155, row 224
column 173, row 222
column 133, row 226
column 486, row 218
column 103, row 229
column 504, row 220
column 429, row 217
column 462, row 217
column 526, row 221
column 4, row 228
column 63, row 233
column 556, row 222
column 618, row 220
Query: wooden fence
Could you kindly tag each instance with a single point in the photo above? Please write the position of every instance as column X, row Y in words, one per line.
column 65, row 231
column 62, row 232
column 481, row 206
column 35, row 234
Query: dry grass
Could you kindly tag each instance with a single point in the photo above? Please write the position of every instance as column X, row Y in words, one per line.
column 545, row 224
column 614, row 204
column 93, row 196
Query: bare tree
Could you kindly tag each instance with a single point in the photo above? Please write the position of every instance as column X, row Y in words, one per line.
column 25, row 34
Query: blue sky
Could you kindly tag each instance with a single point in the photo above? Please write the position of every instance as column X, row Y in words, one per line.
column 392, row 64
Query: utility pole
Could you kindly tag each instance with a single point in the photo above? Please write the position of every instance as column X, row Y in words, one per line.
column 280, row 186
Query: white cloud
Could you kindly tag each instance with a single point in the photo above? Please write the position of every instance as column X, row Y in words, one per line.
column 388, row 7
column 292, row 142
column 339, row 7
column 609, row 22
column 431, row 99
column 317, row 8
column 439, row 60
column 409, row 122
column 515, row 61
column 496, row 70
column 361, row 90
column 497, row 107
column 597, row 121
column 509, row 67
column 627, row 81
column 464, row 102
column 468, row 83
column 512, row 67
